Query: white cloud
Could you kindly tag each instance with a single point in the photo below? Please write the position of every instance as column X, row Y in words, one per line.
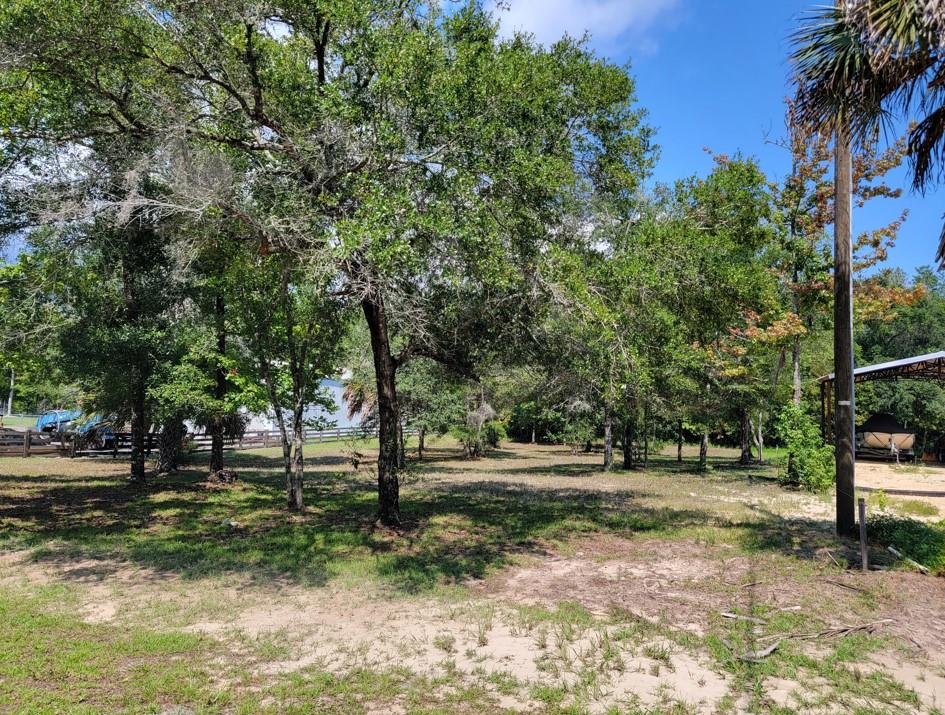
column 610, row 22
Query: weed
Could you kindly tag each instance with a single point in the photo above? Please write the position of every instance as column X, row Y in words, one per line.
column 505, row 683
column 446, row 642
column 879, row 499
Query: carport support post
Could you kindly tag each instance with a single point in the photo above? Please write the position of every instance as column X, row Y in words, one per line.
column 843, row 333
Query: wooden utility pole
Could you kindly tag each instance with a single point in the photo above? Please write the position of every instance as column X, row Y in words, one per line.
column 845, row 404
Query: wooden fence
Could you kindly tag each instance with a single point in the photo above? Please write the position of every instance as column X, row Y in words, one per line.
column 25, row 444
column 272, row 438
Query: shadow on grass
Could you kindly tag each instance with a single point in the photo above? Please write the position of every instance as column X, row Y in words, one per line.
column 559, row 470
column 451, row 532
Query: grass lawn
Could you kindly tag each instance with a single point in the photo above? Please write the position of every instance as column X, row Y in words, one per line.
column 19, row 422
column 529, row 581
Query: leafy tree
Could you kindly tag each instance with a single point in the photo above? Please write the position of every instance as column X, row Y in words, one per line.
column 722, row 225
column 804, row 203
column 113, row 293
column 292, row 328
column 407, row 147
column 432, row 401
column 916, row 328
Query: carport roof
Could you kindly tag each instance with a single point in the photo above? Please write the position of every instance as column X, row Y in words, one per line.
column 920, row 367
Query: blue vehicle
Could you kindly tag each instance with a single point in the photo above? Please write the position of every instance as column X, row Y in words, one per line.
column 95, row 432
column 57, row 420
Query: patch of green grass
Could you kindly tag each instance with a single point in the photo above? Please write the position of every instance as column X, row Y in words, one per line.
column 549, row 694
column 914, row 507
column 453, row 531
column 659, row 652
column 52, row 662
column 923, row 542
column 569, row 613
column 446, row 642
column 832, row 668
column 504, row 682
column 19, row 421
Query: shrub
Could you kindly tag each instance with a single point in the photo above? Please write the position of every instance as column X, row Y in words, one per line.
column 482, row 429
column 918, row 540
column 810, row 462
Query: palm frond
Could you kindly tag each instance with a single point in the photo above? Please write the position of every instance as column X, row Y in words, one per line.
column 927, row 148
column 868, row 61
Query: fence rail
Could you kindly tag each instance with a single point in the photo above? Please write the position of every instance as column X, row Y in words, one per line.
column 30, row 442
column 26, row 444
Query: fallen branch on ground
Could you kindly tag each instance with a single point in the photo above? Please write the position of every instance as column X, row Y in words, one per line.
column 912, row 562
column 846, row 585
column 750, row 619
column 836, row 632
column 756, row 656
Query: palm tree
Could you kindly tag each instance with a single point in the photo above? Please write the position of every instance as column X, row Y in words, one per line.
column 864, row 62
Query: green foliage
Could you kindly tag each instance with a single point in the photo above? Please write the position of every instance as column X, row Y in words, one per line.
column 918, row 540
column 915, row 329
column 574, row 429
column 479, row 432
column 431, row 399
column 810, row 462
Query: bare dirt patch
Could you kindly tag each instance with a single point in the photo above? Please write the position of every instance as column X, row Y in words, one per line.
column 675, row 582
column 925, row 482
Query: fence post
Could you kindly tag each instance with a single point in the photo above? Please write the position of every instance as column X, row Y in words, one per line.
column 864, row 548
column 27, row 439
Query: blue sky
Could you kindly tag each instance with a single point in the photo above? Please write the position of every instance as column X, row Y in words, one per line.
column 714, row 73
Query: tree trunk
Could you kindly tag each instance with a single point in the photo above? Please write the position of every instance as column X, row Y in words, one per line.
column 679, row 441
column 287, row 463
column 266, row 370
column 608, row 440
column 746, row 456
column 796, row 368
column 533, row 434
column 401, row 446
column 138, row 425
column 219, row 390
column 421, row 434
column 296, row 471
column 844, row 394
column 137, row 370
column 704, row 451
column 759, row 436
column 628, row 442
column 385, row 371
column 172, row 434
column 646, row 439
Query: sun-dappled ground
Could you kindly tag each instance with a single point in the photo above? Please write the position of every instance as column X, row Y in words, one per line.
column 527, row 581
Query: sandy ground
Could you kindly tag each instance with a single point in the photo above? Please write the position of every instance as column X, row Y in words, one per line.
column 906, row 476
column 647, row 595
column 652, row 589
column 925, row 482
